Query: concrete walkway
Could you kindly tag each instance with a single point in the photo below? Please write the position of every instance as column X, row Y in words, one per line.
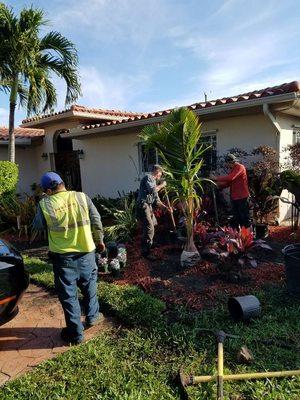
column 34, row 334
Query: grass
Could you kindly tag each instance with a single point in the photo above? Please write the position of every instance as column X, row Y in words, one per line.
column 139, row 363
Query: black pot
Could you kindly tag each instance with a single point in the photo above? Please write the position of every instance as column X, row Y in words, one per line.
column 244, row 308
column 261, row 231
column 292, row 268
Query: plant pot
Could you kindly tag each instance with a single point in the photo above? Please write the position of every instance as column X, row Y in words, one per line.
column 292, row 268
column 189, row 258
column 261, row 231
column 243, row 308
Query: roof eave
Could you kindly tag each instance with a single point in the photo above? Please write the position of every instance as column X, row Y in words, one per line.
column 78, row 133
column 40, row 122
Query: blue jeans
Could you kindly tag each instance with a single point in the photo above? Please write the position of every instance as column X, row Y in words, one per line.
column 73, row 271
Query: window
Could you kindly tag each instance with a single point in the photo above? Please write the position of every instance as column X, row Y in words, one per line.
column 210, row 156
column 296, row 136
column 147, row 158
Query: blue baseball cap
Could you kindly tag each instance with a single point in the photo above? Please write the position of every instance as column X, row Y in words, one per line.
column 50, row 180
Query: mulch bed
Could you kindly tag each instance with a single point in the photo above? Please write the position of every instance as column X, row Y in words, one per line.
column 284, row 234
column 197, row 287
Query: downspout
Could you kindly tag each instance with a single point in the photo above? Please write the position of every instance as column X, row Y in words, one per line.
column 276, row 125
column 270, row 116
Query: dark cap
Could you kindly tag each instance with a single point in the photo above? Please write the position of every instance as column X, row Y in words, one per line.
column 230, row 158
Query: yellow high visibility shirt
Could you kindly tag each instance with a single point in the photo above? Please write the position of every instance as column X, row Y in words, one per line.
column 68, row 222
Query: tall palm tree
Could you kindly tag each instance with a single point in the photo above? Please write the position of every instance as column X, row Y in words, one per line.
column 178, row 142
column 26, row 60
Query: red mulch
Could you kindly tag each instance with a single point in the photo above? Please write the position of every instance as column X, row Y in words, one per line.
column 197, row 287
column 284, row 234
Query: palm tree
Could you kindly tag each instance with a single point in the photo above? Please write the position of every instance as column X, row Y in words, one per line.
column 28, row 61
column 178, row 142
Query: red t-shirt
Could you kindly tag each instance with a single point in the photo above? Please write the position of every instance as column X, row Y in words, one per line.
column 237, row 181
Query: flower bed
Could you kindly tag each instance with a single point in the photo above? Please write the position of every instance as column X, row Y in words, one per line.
column 284, row 234
column 197, row 287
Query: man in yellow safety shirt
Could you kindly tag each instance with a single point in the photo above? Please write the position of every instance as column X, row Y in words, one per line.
column 73, row 224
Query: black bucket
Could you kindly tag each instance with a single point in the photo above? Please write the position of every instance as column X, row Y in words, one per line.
column 292, row 268
column 244, row 308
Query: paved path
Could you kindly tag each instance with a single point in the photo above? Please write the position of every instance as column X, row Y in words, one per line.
column 34, row 334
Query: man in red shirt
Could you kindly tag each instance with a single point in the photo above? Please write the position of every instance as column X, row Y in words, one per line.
column 239, row 191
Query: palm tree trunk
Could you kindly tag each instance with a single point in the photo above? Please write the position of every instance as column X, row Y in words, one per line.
column 11, row 126
column 190, row 255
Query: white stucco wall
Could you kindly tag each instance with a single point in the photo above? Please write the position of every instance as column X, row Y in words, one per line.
column 26, row 160
column 107, row 166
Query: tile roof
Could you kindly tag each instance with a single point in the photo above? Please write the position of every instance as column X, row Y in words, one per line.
column 27, row 133
column 267, row 92
column 82, row 109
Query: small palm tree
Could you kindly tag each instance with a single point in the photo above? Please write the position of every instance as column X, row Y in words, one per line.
column 178, row 142
column 28, row 62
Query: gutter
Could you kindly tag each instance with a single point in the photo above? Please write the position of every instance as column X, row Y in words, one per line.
column 78, row 133
column 19, row 142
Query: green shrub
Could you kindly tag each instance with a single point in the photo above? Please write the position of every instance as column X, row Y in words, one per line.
column 118, row 215
column 17, row 213
column 9, row 173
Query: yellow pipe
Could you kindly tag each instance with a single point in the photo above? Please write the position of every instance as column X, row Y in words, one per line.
column 220, row 370
column 252, row 375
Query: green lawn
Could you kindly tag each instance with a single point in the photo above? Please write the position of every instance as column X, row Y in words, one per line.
column 140, row 361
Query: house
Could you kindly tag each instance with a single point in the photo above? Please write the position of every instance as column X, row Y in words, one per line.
column 99, row 152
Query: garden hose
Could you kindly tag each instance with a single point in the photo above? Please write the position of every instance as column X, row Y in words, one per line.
column 187, row 380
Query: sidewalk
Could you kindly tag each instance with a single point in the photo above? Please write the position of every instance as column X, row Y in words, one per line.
column 34, row 334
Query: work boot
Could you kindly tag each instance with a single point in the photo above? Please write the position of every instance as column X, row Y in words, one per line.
column 67, row 337
column 97, row 321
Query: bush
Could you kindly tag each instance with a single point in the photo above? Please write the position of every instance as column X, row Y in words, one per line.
column 118, row 217
column 17, row 213
column 9, row 174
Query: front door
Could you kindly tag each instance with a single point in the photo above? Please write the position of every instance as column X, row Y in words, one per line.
column 68, row 167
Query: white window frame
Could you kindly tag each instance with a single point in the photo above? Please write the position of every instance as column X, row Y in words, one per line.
column 296, row 135
column 212, row 134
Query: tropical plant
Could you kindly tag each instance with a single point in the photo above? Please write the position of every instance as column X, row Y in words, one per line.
column 16, row 213
column 292, row 159
column 27, row 62
column 178, row 142
column 8, row 177
column 290, row 180
column 233, row 250
column 124, row 223
column 264, row 183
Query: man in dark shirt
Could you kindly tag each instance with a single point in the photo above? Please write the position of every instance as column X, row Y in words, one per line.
column 147, row 199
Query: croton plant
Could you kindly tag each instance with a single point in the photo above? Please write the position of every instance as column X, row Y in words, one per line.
column 232, row 250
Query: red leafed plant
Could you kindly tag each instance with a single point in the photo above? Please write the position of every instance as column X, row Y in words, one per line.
column 235, row 250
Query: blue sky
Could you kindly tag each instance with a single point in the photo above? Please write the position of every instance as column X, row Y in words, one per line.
column 147, row 55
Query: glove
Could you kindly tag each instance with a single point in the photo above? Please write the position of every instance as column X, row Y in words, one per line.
column 101, row 247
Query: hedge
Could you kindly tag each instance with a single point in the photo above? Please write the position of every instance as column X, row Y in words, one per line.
column 9, row 173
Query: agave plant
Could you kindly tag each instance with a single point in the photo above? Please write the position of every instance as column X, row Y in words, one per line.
column 178, row 143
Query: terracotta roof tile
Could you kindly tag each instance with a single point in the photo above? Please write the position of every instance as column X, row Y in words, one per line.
column 87, row 110
column 27, row 133
column 256, row 94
